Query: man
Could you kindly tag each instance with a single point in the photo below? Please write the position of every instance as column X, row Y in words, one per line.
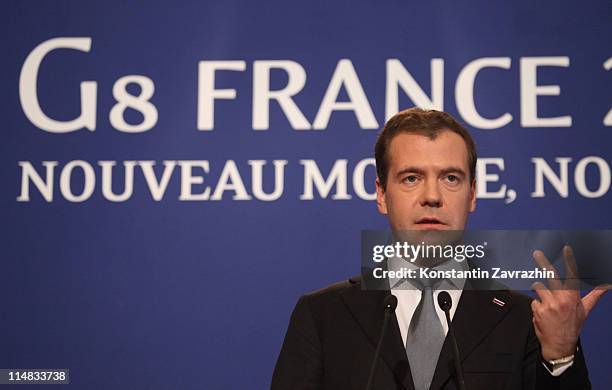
column 426, row 165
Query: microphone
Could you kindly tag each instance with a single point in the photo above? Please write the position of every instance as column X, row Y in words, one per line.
column 390, row 303
column 445, row 302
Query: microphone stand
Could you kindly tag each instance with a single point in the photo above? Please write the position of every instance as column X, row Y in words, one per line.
column 390, row 304
column 445, row 302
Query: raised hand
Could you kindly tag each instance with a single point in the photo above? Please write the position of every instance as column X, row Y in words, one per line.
column 559, row 314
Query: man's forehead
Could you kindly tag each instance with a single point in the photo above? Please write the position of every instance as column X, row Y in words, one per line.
column 447, row 149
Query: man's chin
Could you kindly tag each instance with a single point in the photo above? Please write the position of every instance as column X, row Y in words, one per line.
column 429, row 233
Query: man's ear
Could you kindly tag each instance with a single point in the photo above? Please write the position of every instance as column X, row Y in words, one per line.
column 381, row 201
column 473, row 196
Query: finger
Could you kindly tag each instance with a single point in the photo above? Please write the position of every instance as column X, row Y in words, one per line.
column 543, row 292
column 572, row 280
column 536, row 327
column 544, row 264
column 590, row 300
column 535, row 308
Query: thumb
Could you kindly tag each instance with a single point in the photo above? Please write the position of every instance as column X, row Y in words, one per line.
column 590, row 300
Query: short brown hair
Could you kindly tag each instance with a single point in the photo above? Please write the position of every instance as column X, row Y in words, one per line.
column 428, row 123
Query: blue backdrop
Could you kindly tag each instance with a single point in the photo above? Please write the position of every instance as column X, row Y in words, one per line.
column 186, row 289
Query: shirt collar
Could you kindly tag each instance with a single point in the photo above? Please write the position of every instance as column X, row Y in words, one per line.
column 398, row 263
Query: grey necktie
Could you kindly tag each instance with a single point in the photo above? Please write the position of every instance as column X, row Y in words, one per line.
column 425, row 338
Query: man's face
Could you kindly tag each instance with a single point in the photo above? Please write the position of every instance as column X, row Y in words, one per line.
column 428, row 184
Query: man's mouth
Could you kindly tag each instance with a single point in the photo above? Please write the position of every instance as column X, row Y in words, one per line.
column 430, row 221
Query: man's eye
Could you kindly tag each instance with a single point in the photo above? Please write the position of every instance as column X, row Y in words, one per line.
column 411, row 179
column 452, row 179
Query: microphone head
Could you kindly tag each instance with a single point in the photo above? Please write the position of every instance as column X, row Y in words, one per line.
column 445, row 301
column 390, row 303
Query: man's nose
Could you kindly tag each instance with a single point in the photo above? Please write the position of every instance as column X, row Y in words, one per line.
column 431, row 195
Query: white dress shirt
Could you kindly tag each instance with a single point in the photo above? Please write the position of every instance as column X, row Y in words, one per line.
column 409, row 295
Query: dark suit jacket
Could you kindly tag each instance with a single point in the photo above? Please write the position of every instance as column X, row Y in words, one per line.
column 333, row 333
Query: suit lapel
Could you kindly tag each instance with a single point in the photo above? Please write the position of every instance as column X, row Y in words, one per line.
column 367, row 309
column 476, row 316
